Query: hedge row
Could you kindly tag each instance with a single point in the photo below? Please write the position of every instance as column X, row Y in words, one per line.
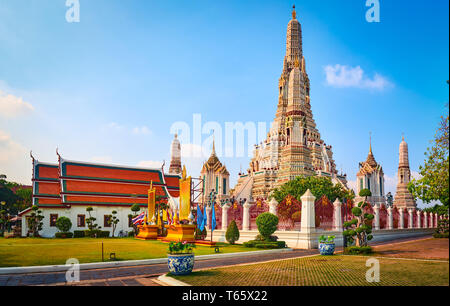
column 440, row 235
column 265, row 244
column 354, row 250
column 82, row 234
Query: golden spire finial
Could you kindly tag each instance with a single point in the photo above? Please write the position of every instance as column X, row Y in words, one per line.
column 370, row 141
column 294, row 13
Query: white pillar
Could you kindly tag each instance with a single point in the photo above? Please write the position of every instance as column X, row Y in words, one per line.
column 410, row 219
column 308, row 212
column 435, row 220
column 273, row 206
column 376, row 211
column 246, row 216
column 425, row 220
column 208, row 218
column 401, row 221
column 337, row 215
column 431, row 220
column 390, row 218
column 418, row 220
column 225, row 216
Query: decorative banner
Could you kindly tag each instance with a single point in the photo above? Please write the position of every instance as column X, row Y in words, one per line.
column 185, row 196
column 151, row 201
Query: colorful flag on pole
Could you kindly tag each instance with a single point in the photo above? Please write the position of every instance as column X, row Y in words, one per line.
column 200, row 223
column 139, row 219
column 213, row 219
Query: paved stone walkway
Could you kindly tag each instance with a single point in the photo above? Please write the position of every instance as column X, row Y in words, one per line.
column 145, row 275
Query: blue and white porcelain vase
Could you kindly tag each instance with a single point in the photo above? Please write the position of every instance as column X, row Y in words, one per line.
column 326, row 248
column 180, row 264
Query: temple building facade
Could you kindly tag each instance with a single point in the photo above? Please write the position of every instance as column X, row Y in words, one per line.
column 67, row 188
column 403, row 198
column 370, row 176
column 293, row 146
column 215, row 177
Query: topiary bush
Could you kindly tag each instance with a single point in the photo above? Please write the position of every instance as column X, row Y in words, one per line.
column 267, row 224
column 359, row 229
column 63, row 235
column 355, row 250
column 63, row 224
column 232, row 234
column 78, row 234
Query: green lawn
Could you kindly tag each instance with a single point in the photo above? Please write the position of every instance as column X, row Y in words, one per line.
column 40, row 251
column 337, row 270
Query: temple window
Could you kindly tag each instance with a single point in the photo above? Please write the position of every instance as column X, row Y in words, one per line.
column 224, row 189
column 81, row 220
column 106, row 221
column 53, row 218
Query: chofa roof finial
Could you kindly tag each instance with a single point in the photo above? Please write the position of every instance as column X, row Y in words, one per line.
column 294, row 13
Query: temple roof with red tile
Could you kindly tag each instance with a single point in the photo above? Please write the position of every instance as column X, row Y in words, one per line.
column 68, row 183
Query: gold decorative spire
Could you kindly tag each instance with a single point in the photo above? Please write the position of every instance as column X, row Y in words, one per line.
column 294, row 13
column 370, row 141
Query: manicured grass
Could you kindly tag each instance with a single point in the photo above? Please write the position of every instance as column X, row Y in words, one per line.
column 337, row 270
column 40, row 251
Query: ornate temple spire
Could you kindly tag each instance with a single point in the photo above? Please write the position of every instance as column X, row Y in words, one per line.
column 175, row 160
column 403, row 198
column 294, row 13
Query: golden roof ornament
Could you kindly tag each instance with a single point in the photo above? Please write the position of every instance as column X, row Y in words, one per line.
column 294, row 13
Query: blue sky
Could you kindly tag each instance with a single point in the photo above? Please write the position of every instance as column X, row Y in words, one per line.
column 109, row 88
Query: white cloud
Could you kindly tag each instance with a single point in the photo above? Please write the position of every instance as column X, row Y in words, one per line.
column 14, row 159
column 150, row 164
column 143, row 130
column 345, row 76
column 12, row 106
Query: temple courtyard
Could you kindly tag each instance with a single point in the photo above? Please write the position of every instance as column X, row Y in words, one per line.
column 423, row 262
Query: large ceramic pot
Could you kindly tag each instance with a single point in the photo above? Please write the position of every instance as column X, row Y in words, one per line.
column 180, row 264
column 326, row 248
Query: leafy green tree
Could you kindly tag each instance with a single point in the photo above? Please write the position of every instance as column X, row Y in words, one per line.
column 35, row 223
column 319, row 187
column 91, row 220
column 232, row 234
column 434, row 182
column 113, row 220
column 63, row 224
column 267, row 224
column 4, row 220
column 359, row 229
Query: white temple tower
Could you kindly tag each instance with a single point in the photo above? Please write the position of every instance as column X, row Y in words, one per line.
column 403, row 198
column 175, row 160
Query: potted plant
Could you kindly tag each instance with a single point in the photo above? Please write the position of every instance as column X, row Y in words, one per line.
column 326, row 245
column 181, row 258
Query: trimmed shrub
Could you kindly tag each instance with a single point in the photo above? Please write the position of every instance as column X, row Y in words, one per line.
column 355, row 250
column 440, row 235
column 131, row 234
column 103, row 234
column 92, row 233
column 232, row 234
column 265, row 244
column 78, row 234
column 267, row 224
column 63, row 224
column 64, row 235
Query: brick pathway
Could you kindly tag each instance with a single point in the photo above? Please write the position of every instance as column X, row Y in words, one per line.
column 144, row 275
